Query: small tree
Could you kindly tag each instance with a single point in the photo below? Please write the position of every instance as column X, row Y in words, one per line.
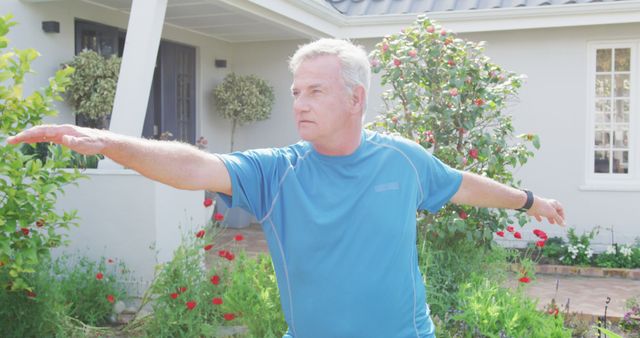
column 243, row 99
column 92, row 88
column 448, row 97
column 29, row 223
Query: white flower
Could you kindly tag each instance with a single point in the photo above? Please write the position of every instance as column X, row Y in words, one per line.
column 611, row 250
column 626, row 251
column 589, row 253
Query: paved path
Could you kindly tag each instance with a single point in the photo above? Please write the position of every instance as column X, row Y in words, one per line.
column 586, row 295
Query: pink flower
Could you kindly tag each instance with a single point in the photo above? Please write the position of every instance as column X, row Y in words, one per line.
column 397, row 62
column 412, row 53
column 510, row 228
column 218, row 216
column 473, row 153
column 463, row 215
column 517, row 235
column 208, row 202
column 479, row 102
column 111, row 299
column 453, row 92
column 110, row 261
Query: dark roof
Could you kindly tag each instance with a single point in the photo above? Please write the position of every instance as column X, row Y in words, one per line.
column 382, row 7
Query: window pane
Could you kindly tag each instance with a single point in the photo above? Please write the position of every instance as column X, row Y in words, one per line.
column 621, row 137
column 603, row 60
column 603, row 111
column 623, row 59
column 620, row 162
column 622, row 85
column 622, row 111
column 603, row 85
column 601, row 163
column 602, row 139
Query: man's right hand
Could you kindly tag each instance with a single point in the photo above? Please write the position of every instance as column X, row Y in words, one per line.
column 82, row 140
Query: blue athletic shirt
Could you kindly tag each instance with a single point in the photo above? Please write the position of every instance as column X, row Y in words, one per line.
column 341, row 231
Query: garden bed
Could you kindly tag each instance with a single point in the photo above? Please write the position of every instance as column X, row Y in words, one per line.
column 587, row 271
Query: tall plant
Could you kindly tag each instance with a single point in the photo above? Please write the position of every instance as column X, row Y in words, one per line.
column 243, row 99
column 445, row 94
column 29, row 224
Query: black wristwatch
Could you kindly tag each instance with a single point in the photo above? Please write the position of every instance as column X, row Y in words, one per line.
column 527, row 205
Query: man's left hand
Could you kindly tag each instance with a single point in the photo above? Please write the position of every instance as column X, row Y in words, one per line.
column 550, row 209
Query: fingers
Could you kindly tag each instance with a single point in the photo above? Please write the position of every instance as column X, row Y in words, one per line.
column 42, row 133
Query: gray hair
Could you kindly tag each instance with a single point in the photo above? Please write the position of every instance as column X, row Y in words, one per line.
column 354, row 62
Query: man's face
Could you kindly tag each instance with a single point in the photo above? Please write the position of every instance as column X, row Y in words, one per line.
column 321, row 102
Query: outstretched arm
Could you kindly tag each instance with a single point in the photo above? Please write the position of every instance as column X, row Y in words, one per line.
column 483, row 192
column 177, row 164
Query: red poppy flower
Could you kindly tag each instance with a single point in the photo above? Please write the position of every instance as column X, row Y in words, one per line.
column 183, row 289
column 215, row 279
column 191, row 305
column 517, row 235
column 208, row 202
column 479, row 102
column 540, row 244
column 238, row 237
column 25, row 231
column 540, row 233
column 500, row 233
column 109, row 260
column 222, row 253
column 31, row 294
column 40, row 223
column 230, row 256
column 524, row 279
column 200, row 234
column 111, row 299
column 510, row 228
column 473, row 153
column 208, row 247
column 174, row 295
column 463, row 215
column 217, row 301
column 218, row 216
column 229, row 316
column 99, row 276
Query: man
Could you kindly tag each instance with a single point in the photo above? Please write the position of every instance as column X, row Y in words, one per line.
column 337, row 209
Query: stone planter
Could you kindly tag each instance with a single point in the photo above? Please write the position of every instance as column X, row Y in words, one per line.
column 584, row 271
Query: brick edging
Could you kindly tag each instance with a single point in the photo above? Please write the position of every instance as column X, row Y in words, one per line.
column 588, row 271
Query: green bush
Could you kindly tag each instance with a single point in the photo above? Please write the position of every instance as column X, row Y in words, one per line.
column 182, row 294
column 490, row 310
column 253, row 292
column 446, row 95
column 578, row 250
column 29, row 224
column 92, row 87
column 90, row 288
column 619, row 256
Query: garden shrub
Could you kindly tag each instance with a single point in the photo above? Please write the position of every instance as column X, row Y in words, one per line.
column 577, row 250
column 253, row 292
column 447, row 96
column 29, row 224
column 490, row 310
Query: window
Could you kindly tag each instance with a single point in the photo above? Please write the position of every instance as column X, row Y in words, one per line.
column 103, row 39
column 612, row 158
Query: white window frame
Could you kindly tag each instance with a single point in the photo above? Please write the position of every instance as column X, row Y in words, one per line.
column 613, row 182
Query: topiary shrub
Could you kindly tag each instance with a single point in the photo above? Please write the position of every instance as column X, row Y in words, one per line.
column 92, row 87
column 243, row 99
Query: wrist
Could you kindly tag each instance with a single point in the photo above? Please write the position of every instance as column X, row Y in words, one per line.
column 529, row 201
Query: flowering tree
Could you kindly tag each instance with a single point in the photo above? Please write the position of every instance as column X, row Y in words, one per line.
column 447, row 96
column 29, row 225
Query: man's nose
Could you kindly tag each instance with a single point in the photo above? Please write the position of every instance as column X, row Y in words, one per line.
column 300, row 104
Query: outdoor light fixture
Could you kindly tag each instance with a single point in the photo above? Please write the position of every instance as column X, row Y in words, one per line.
column 221, row 63
column 51, row 26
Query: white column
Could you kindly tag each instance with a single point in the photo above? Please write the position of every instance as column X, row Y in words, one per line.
column 136, row 72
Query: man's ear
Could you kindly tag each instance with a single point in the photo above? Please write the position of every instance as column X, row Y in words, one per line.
column 358, row 99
